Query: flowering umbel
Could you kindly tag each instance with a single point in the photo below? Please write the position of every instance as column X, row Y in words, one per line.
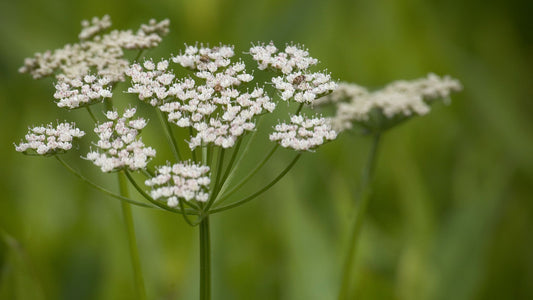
column 216, row 103
column 119, row 144
column 49, row 140
column 384, row 108
column 219, row 102
column 214, row 108
column 98, row 52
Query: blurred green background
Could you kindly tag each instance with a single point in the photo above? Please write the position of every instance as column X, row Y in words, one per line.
column 452, row 212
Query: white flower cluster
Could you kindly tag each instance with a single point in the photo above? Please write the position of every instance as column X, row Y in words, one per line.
column 296, row 82
column 294, row 58
column 152, row 83
column 304, row 88
column 95, row 26
column 212, row 105
column 185, row 180
column 50, row 140
column 121, row 147
column 102, row 54
column 302, row 133
column 399, row 98
column 205, row 58
column 75, row 93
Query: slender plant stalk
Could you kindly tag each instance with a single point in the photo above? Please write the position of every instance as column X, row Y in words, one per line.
column 193, row 152
column 101, row 189
column 364, row 195
column 91, row 113
column 249, row 176
column 229, row 179
column 170, row 136
column 205, row 260
column 264, row 189
column 134, row 252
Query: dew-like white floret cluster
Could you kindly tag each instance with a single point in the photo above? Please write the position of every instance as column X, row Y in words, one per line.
column 293, row 59
column 96, row 52
column 46, row 140
column 304, row 88
column 75, row 93
column 186, row 180
column 296, row 82
column 211, row 104
column 152, row 82
column 404, row 98
column 303, row 134
column 203, row 58
column 119, row 144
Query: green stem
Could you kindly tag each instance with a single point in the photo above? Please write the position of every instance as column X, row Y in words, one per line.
column 228, row 180
column 249, row 176
column 101, row 189
column 218, row 177
column 229, row 167
column 205, row 260
column 360, row 212
column 91, row 113
column 139, row 55
column 130, row 228
column 264, row 189
column 193, row 152
column 170, row 137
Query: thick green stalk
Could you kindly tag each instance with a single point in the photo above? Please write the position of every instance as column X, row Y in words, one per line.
column 205, row 260
column 130, row 228
column 360, row 212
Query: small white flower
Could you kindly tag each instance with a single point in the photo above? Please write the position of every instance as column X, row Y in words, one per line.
column 186, row 180
column 152, row 84
column 75, row 93
column 50, row 140
column 205, row 58
column 304, row 87
column 295, row 58
column 302, row 133
column 119, row 144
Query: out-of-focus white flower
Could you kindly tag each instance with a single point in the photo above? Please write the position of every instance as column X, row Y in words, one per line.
column 302, row 133
column 96, row 53
column 95, row 26
column 343, row 93
column 119, row 145
column 187, row 181
column 398, row 100
column 50, row 140
column 75, row 93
